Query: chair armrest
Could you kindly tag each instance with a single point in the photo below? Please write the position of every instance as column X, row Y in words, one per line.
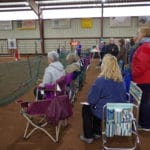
column 23, row 104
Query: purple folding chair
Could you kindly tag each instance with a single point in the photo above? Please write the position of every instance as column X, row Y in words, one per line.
column 69, row 78
column 47, row 92
column 69, row 85
column 87, row 62
column 40, row 114
column 60, row 86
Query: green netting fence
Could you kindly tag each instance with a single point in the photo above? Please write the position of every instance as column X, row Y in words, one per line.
column 16, row 78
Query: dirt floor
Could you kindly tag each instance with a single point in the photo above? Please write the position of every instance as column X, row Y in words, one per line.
column 12, row 126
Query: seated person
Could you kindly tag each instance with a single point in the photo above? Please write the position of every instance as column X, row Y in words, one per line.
column 108, row 87
column 53, row 72
column 73, row 63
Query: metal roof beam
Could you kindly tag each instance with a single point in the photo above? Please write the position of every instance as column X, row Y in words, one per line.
column 35, row 7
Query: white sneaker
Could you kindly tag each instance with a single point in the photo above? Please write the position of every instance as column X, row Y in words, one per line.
column 87, row 140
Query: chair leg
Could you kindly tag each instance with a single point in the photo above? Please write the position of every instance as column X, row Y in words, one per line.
column 26, row 129
column 58, row 130
column 65, row 122
column 35, row 128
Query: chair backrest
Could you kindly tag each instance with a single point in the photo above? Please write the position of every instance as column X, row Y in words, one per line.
column 136, row 92
column 49, row 91
column 38, row 107
column 86, row 61
column 69, row 78
column 59, row 108
column 118, row 119
column 61, row 86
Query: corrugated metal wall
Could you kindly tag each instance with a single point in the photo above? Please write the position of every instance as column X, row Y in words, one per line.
column 28, row 40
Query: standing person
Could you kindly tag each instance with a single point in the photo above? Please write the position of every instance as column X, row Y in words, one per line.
column 122, row 56
column 16, row 54
column 112, row 48
column 108, row 87
column 53, row 72
column 141, row 74
column 102, row 49
column 78, row 48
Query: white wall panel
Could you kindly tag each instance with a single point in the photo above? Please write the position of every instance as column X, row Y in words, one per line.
column 28, row 46
column 54, row 38
column 16, row 33
column 3, row 47
column 120, row 31
column 75, row 29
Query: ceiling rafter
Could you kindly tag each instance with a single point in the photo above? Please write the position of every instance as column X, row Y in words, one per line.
column 38, row 5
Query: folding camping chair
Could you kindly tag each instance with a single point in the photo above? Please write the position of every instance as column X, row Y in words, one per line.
column 60, row 87
column 119, row 121
column 69, row 86
column 51, row 90
column 44, row 114
column 135, row 95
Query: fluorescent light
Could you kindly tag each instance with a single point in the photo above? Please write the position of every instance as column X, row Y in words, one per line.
column 96, row 12
column 15, row 8
column 77, row 13
column 13, row 3
column 127, row 11
column 21, row 15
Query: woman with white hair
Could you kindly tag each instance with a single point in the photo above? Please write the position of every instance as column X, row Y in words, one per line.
column 108, row 87
column 53, row 71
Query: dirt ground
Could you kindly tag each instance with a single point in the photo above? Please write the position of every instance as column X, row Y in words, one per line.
column 12, row 126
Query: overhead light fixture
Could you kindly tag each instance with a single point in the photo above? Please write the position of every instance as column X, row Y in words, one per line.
column 103, row 1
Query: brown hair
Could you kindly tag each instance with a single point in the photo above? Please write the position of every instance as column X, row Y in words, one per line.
column 122, row 42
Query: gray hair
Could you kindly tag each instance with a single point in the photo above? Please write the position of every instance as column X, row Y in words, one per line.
column 53, row 56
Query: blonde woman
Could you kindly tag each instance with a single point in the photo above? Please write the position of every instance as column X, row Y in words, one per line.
column 108, row 87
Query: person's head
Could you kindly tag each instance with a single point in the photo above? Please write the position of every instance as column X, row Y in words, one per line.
column 121, row 42
column 132, row 42
column 143, row 32
column 111, row 41
column 71, row 58
column 102, row 43
column 110, row 68
column 52, row 56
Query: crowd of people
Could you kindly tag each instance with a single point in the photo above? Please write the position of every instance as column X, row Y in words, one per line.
column 113, row 61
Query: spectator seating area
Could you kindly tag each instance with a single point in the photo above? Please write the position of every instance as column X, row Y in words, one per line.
column 56, row 105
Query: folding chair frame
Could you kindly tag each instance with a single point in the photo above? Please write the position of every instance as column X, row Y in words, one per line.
column 39, row 115
column 41, row 126
column 134, row 132
column 136, row 93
